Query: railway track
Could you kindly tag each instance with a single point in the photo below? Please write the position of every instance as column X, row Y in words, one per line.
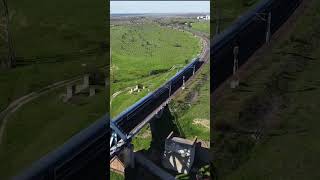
column 249, row 33
column 126, row 125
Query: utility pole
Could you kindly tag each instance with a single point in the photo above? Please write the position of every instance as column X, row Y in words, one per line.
column 268, row 33
column 8, row 57
column 235, row 80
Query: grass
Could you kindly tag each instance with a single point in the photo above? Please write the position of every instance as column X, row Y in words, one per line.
column 35, row 129
column 143, row 139
column 201, row 26
column 155, row 49
column 192, row 105
column 144, row 54
column 52, row 41
column 126, row 99
column 115, row 176
column 284, row 86
column 51, row 44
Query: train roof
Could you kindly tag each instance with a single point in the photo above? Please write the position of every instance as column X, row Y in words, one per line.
column 136, row 105
column 132, row 107
column 185, row 67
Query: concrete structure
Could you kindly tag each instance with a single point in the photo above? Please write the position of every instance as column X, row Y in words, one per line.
column 116, row 165
column 234, row 83
column 179, row 154
column 152, row 167
column 137, row 88
column 128, row 156
column 85, row 81
column 124, row 159
column 71, row 89
column 92, row 91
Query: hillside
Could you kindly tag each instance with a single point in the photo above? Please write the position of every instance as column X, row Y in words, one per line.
column 51, row 41
column 270, row 130
column 54, row 41
column 146, row 55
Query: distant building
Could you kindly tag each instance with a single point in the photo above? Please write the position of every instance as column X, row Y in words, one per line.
column 207, row 17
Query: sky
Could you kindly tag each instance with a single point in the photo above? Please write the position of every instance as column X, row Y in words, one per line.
column 141, row 7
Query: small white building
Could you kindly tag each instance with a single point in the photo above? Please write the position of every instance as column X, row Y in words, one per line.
column 206, row 17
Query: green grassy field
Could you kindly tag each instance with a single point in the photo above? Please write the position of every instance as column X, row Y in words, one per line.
column 148, row 55
column 192, row 107
column 143, row 139
column 280, row 94
column 52, row 40
column 115, row 176
column 201, row 26
column 42, row 125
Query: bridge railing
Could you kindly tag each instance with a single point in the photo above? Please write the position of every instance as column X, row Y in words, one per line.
column 69, row 159
column 128, row 123
column 247, row 34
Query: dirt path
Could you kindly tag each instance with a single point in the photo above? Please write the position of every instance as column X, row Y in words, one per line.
column 16, row 104
column 203, row 122
column 114, row 95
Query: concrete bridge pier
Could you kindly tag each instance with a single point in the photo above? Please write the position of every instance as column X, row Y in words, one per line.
column 128, row 156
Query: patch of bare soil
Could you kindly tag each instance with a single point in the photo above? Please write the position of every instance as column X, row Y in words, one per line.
column 145, row 134
column 203, row 122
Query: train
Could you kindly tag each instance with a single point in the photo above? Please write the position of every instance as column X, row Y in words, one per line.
column 87, row 150
column 135, row 114
column 248, row 33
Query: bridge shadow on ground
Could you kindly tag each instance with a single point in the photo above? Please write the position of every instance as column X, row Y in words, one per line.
column 161, row 127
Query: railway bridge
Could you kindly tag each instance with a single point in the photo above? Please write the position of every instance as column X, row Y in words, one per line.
column 126, row 125
column 88, row 149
